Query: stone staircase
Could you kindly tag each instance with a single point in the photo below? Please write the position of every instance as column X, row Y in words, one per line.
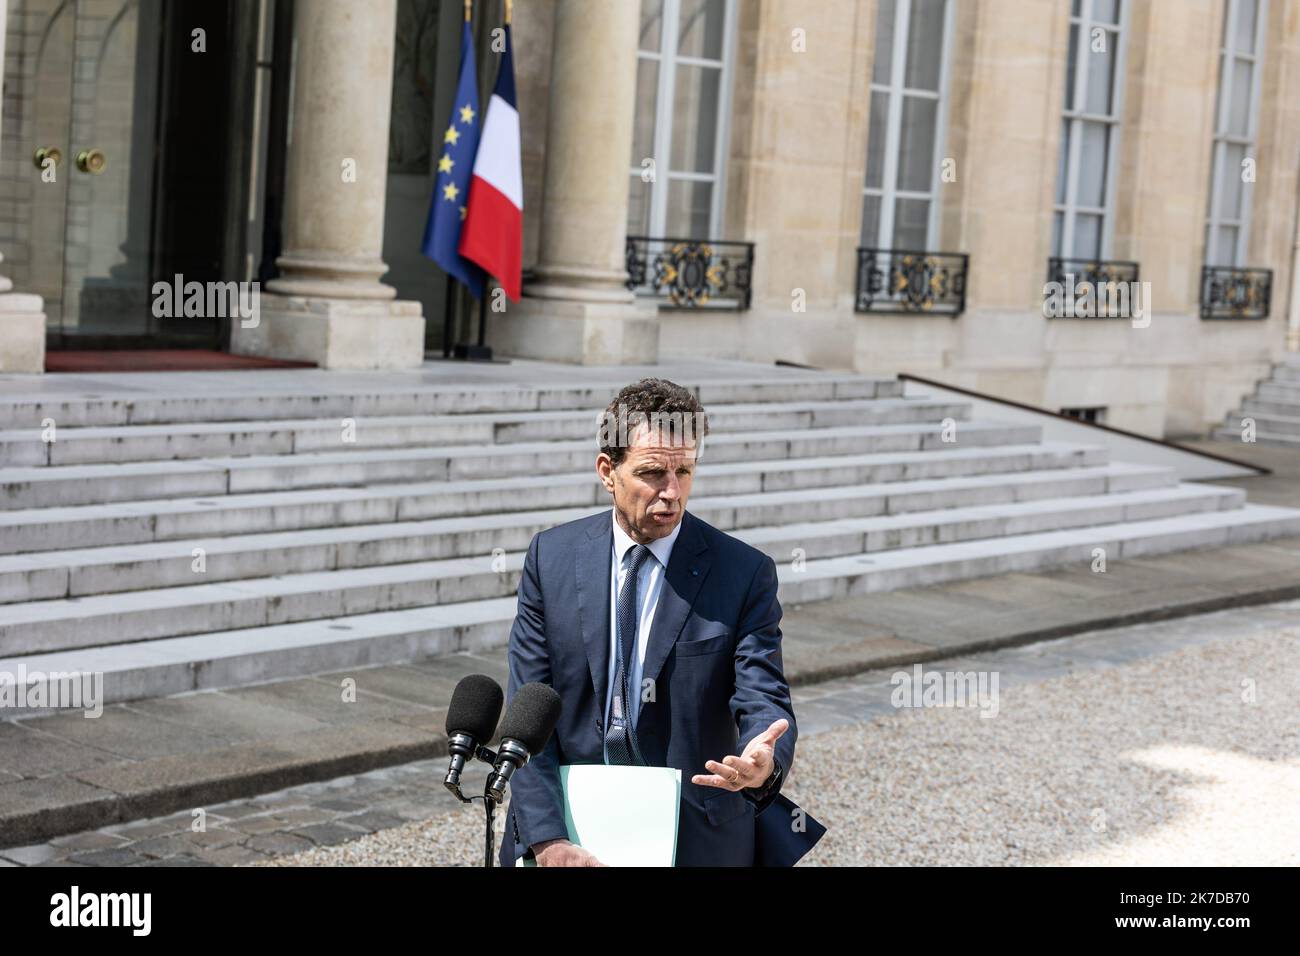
column 1275, row 408
column 181, row 542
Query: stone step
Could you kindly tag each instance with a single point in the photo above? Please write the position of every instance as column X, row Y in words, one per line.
column 1284, row 425
column 36, row 626
column 1270, row 407
column 55, row 575
column 1278, row 391
column 67, row 485
column 250, row 655
column 343, row 401
column 1263, row 438
column 179, row 519
column 134, row 443
column 1286, row 372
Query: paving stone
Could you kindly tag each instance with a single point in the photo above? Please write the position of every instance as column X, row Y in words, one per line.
column 328, row 834
column 232, row 855
column 278, row 844
column 254, row 825
column 322, row 701
column 300, row 816
column 114, row 857
column 87, row 840
column 371, row 821
column 239, row 719
column 27, row 750
column 131, row 735
column 33, row 854
column 162, row 847
column 340, row 805
column 181, row 860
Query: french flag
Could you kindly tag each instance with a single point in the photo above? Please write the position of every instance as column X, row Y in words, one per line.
column 493, row 234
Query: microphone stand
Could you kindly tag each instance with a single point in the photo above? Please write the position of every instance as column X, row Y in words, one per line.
column 489, row 804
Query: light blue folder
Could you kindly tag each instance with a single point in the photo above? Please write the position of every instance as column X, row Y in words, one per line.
column 626, row 816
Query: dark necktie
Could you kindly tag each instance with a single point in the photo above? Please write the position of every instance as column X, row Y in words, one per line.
column 620, row 739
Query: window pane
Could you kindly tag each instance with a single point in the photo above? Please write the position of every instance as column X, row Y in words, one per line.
column 924, row 45
column 916, row 144
column 1226, row 252
column 638, row 207
column 699, row 30
column 1071, row 68
column 876, row 140
column 1092, row 164
column 1230, row 181
column 643, row 117
column 1074, row 8
column 910, row 220
column 1058, row 220
column 695, row 118
column 688, row 209
column 1062, row 162
column 871, row 222
column 652, row 20
column 1087, row 236
column 884, row 56
column 1105, row 11
column 1244, row 42
column 1239, row 114
column 1101, row 67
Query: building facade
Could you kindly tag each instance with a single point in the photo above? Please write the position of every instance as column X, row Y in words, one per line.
column 883, row 185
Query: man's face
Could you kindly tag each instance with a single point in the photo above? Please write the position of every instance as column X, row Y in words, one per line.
column 650, row 486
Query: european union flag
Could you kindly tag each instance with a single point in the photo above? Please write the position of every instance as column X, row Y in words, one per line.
column 451, row 185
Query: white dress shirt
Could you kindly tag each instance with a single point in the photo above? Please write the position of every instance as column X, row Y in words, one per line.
column 650, row 581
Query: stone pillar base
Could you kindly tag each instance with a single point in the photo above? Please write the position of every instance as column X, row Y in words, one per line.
column 583, row 333
column 22, row 333
column 333, row 333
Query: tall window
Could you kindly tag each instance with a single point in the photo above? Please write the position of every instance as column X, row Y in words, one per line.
column 1236, row 116
column 905, row 130
column 683, row 99
column 1085, row 178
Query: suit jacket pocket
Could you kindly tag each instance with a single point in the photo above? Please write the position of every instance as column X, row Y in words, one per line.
column 725, row 805
column 709, row 645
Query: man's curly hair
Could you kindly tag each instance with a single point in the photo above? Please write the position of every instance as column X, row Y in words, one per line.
column 662, row 403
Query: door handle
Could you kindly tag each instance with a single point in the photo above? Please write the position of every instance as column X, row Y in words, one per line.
column 91, row 161
column 52, row 153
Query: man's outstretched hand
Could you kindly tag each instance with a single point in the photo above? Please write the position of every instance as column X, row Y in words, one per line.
column 563, row 853
column 750, row 769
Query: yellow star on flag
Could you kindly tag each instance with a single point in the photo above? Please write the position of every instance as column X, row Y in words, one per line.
column 450, row 192
column 462, row 213
column 466, row 114
column 445, row 164
column 451, row 136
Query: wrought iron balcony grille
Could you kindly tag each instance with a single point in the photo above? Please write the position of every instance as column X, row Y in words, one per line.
column 691, row 273
column 893, row 281
column 1231, row 293
column 1105, row 276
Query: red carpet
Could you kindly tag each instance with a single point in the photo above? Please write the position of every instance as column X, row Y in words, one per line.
column 158, row 360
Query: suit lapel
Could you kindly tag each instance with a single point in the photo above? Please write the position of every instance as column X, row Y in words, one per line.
column 592, row 567
column 688, row 566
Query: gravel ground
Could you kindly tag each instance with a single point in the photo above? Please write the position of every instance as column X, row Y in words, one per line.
column 1155, row 762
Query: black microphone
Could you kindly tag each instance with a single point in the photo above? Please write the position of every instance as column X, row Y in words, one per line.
column 534, row 711
column 471, row 722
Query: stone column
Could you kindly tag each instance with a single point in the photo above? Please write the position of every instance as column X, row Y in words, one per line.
column 578, row 308
column 328, row 306
column 22, row 316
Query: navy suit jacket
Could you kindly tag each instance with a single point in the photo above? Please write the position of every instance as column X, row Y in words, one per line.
column 714, row 654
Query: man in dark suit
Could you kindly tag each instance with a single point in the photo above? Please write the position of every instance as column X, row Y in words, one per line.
column 662, row 636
